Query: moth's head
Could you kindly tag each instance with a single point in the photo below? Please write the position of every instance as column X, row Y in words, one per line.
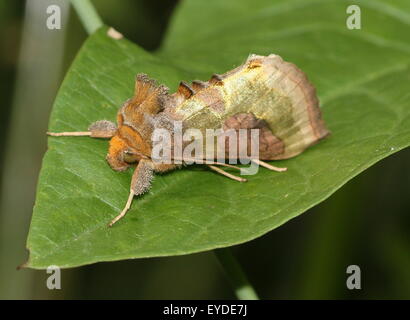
column 126, row 148
column 131, row 142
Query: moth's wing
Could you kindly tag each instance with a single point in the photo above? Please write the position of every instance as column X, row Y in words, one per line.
column 302, row 124
column 268, row 88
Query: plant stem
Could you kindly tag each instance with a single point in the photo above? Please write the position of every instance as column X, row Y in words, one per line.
column 88, row 15
column 243, row 289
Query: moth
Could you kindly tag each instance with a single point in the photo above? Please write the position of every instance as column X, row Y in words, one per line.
column 264, row 93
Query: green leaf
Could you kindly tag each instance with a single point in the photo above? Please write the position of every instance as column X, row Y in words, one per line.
column 362, row 79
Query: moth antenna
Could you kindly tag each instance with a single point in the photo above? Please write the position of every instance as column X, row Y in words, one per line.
column 124, row 211
column 70, row 134
column 226, row 174
column 216, row 79
column 198, row 85
column 185, row 90
column 268, row 166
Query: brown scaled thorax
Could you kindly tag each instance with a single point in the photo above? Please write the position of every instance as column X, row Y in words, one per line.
column 131, row 141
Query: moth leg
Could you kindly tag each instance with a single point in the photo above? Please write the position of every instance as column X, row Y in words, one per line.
column 140, row 183
column 99, row 129
column 164, row 167
column 226, row 174
column 70, row 134
column 268, row 166
column 124, row 211
column 216, row 163
column 204, row 161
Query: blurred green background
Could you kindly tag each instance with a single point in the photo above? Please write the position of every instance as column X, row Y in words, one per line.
column 365, row 223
